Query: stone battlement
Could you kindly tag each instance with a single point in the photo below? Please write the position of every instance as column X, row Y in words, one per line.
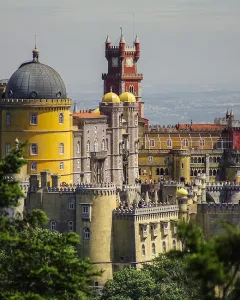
column 216, row 208
column 37, row 102
column 222, row 185
column 146, row 210
column 85, row 188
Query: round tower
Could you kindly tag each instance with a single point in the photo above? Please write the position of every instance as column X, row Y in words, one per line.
column 95, row 204
column 181, row 165
column 137, row 47
column 36, row 109
column 182, row 197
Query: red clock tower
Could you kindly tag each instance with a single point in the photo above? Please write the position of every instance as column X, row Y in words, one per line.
column 122, row 73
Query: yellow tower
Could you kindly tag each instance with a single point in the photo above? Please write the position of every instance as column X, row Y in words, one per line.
column 181, row 165
column 36, row 110
column 95, row 205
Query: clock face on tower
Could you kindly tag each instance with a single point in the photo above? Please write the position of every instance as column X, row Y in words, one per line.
column 114, row 62
column 129, row 62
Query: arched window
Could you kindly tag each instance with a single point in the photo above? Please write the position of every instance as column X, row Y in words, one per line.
column 78, row 147
column 153, row 249
column 95, row 146
column 103, row 145
column 169, row 143
column 195, row 173
column 86, row 233
column 157, row 171
column 214, row 172
column 210, row 160
column 161, row 171
column 61, row 148
column 203, row 160
column 60, row 118
column 164, row 247
column 71, row 203
column 202, row 143
column 199, row 160
column 131, row 89
column 53, row 225
column 34, row 149
column 136, row 120
column 195, row 160
column 78, row 163
column 185, row 143
column 192, row 160
column 33, row 166
column 88, row 146
column 174, row 244
column 191, row 173
column 210, row 173
column 143, row 250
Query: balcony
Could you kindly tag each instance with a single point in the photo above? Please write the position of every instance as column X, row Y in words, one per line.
column 101, row 155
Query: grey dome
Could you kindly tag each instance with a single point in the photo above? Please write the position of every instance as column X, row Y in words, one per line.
column 34, row 80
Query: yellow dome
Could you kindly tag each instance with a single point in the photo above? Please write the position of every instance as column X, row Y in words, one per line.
column 127, row 97
column 181, row 193
column 111, row 97
column 96, row 111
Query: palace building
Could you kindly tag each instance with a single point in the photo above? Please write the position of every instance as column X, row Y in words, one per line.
column 107, row 174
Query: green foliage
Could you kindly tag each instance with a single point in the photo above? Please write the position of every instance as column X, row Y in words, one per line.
column 10, row 191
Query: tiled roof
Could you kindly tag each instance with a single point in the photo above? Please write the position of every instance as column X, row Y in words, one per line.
column 200, row 127
column 87, row 115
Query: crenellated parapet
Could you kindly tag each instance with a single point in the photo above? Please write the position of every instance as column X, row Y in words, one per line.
column 36, row 102
column 218, row 186
column 220, row 208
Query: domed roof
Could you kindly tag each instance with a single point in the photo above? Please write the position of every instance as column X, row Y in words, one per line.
column 182, row 193
column 96, row 111
column 111, row 97
column 35, row 80
column 127, row 97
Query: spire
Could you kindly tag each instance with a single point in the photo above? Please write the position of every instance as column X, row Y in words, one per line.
column 122, row 40
column 35, row 51
column 227, row 114
column 137, row 40
column 108, row 40
column 75, row 107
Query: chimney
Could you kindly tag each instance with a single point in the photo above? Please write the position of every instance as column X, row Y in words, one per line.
column 55, row 180
column 45, row 179
column 34, row 182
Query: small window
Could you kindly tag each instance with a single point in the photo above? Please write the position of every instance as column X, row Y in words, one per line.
column 61, row 165
column 164, row 247
column 174, row 245
column 33, row 119
column 131, row 89
column 120, row 121
column 8, row 118
column 88, row 146
column 71, row 203
column 34, row 149
column 143, row 250
column 185, row 143
column 107, row 144
column 53, row 225
column 78, row 147
column 169, row 143
column 152, row 143
column 150, row 158
column 61, row 118
column 153, row 249
column 7, row 148
column 70, row 226
column 136, row 120
column 86, row 233
column 103, row 145
column 33, row 166
column 202, row 143
column 85, row 209
column 61, row 148
column 78, row 163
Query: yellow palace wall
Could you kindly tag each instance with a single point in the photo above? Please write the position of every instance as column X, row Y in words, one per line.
column 47, row 134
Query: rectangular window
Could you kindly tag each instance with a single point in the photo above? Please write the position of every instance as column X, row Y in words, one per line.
column 33, row 119
column 85, row 211
column 8, row 118
column 61, row 149
column 78, row 163
column 7, row 148
column 34, row 149
column 61, row 165
column 152, row 143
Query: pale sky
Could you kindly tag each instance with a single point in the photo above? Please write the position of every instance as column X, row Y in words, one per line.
column 183, row 42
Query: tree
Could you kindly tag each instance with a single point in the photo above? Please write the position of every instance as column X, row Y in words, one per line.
column 215, row 263
column 129, row 284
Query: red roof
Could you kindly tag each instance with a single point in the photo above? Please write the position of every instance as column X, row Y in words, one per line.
column 86, row 115
column 200, row 127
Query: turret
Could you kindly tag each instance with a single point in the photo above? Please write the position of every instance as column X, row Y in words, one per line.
column 107, row 46
column 137, row 46
column 227, row 114
column 122, row 45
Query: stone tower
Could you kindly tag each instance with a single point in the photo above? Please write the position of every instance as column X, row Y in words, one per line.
column 122, row 73
column 94, row 207
column 181, row 165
